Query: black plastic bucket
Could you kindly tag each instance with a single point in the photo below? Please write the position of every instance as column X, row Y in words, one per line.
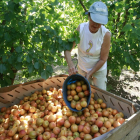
column 73, row 79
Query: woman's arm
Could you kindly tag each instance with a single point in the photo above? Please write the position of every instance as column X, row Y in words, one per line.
column 103, row 55
column 71, row 66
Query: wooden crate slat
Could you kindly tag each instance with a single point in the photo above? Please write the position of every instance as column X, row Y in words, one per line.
column 19, row 93
column 125, row 128
column 135, row 132
column 116, row 134
column 3, row 105
column 58, row 82
column 113, row 95
column 114, row 103
column 121, row 107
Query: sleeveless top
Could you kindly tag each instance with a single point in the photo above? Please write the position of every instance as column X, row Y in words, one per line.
column 90, row 47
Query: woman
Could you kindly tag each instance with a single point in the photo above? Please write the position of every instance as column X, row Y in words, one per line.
column 94, row 46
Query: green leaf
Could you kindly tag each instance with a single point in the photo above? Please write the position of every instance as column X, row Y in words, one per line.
column 36, row 39
column 28, row 59
column 8, row 80
column 42, row 17
column 44, row 74
column 49, row 68
column 12, row 59
column 38, row 21
column 31, row 17
column 127, row 27
column 127, row 59
column 113, row 48
column 68, row 46
column 42, row 60
column 59, row 40
column 11, row 5
column 7, row 37
column 71, row 39
column 16, row 1
column 137, row 63
column 60, row 48
column 134, row 35
column 77, row 40
column 30, row 68
column 34, row 9
column 19, row 49
column 13, row 22
column 18, row 66
column 4, row 58
column 1, row 51
column 53, row 50
column 132, row 58
column 51, row 58
column 19, row 59
column 56, row 2
column 41, row 67
column 36, row 65
column 21, row 28
column 2, row 68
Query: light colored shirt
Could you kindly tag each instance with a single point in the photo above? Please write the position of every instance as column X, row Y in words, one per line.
column 90, row 47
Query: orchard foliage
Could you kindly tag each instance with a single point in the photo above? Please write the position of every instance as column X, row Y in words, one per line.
column 34, row 33
column 124, row 24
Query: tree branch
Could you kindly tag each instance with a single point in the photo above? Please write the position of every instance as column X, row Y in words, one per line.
column 126, row 15
column 83, row 5
column 118, row 18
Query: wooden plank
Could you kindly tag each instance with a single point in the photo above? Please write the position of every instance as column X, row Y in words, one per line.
column 8, row 89
column 134, row 134
column 137, row 137
column 113, row 95
column 120, row 132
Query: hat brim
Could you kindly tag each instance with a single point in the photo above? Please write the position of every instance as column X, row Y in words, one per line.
column 101, row 19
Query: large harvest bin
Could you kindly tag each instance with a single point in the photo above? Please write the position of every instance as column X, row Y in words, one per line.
column 130, row 130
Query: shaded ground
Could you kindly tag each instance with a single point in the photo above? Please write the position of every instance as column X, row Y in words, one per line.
column 128, row 86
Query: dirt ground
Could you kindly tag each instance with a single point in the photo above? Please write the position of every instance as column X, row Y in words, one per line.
column 127, row 86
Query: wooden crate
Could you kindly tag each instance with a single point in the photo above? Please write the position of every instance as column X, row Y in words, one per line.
column 129, row 130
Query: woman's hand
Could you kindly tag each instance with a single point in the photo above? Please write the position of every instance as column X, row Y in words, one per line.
column 88, row 75
column 71, row 66
column 72, row 70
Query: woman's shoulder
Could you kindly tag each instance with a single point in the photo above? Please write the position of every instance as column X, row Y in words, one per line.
column 81, row 26
column 84, row 23
column 104, row 30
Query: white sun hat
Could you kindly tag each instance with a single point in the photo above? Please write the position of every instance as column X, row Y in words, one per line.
column 99, row 12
